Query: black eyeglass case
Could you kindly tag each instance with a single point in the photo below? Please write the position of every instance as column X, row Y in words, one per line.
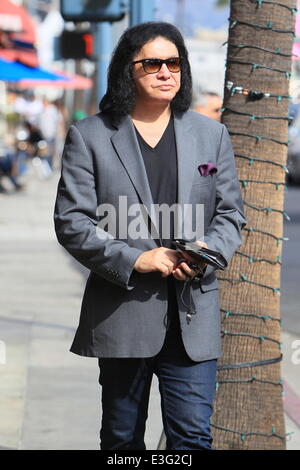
column 201, row 254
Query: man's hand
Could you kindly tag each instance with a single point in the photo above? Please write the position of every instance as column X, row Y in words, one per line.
column 159, row 259
column 183, row 272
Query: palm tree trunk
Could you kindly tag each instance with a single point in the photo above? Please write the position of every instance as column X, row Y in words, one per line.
column 248, row 411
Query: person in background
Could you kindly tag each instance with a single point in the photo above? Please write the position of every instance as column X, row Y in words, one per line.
column 33, row 138
column 12, row 118
column 28, row 106
column 208, row 103
column 62, row 125
column 9, row 163
column 48, row 122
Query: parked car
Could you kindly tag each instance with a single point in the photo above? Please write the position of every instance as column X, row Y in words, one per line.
column 293, row 161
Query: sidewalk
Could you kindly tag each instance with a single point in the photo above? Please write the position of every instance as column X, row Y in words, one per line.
column 49, row 397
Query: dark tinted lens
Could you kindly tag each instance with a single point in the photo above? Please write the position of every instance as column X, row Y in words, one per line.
column 173, row 64
column 152, row 65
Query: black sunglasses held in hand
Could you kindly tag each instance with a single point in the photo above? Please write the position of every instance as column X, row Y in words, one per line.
column 154, row 65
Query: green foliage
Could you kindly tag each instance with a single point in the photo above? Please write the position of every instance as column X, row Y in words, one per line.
column 222, row 3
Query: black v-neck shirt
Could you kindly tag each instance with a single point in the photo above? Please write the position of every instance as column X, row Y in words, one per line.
column 161, row 167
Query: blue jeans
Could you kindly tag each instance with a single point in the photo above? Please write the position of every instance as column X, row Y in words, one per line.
column 187, row 390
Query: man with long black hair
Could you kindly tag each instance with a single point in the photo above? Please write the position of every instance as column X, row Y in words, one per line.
column 147, row 147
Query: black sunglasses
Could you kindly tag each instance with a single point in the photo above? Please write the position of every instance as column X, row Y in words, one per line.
column 154, row 65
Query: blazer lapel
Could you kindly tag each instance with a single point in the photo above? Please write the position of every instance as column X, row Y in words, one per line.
column 127, row 147
column 186, row 159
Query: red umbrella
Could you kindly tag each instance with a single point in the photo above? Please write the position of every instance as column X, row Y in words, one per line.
column 17, row 34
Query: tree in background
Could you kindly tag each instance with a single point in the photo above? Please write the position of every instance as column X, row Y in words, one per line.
column 248, row 408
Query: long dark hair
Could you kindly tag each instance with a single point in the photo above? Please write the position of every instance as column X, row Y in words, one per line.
column 120, row 96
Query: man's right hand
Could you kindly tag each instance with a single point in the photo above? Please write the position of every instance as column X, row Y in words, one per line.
column 159, row 259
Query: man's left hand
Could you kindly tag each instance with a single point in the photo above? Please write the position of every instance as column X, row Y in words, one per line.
column 183, row 272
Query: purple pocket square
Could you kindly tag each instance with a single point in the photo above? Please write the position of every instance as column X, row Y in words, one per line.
column 207, row 169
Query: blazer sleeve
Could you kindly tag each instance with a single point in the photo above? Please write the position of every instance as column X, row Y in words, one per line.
column 75, row 218
column 224, row 231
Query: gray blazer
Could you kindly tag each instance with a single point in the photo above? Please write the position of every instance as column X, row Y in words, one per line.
column 123, row 312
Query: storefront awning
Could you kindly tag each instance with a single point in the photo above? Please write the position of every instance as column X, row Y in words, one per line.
column 73, row 82
column 17, row 34
column 15, row 72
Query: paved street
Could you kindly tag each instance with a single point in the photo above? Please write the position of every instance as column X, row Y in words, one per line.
column 49, row 397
